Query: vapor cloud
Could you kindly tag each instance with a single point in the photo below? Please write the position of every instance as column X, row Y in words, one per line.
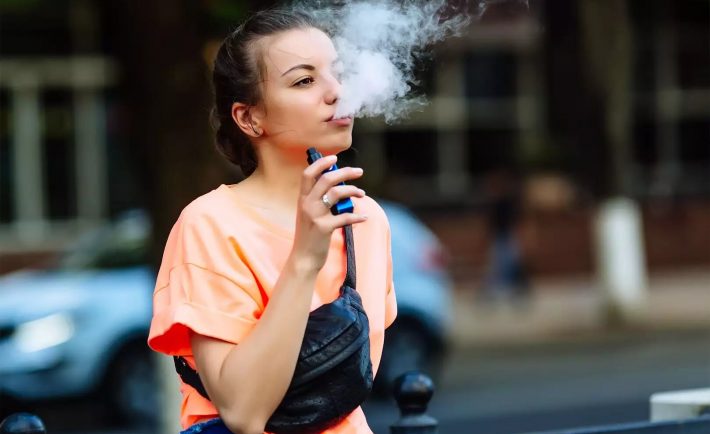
column 379, row 43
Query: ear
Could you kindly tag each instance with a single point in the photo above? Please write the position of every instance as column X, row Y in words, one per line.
column 248, row 119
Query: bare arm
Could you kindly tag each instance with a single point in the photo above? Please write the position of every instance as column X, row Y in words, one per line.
column 246, row 382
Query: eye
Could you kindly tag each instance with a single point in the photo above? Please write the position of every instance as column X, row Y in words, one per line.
column 304, row 82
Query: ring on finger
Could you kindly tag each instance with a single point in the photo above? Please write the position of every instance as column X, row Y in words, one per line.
column 326, row 201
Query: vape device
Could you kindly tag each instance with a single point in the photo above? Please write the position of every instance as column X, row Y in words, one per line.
column 344, row 205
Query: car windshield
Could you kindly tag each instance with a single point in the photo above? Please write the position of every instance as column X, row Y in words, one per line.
column 119, row 244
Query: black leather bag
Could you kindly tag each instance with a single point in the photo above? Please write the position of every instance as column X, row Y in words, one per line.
column 333, row 374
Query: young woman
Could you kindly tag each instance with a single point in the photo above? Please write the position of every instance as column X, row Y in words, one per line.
column 245, row 264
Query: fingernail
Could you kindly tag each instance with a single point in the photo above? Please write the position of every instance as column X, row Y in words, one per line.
column 358, row 169
column 362, row 192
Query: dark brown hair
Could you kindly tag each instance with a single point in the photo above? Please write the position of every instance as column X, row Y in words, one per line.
column 238, row 75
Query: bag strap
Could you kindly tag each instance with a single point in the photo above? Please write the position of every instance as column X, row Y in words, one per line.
column 191, row 377
column 350, row 257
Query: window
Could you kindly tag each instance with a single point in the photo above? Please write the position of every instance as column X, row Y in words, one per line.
column 488, row 149
column 411, row 152
column 645, row 149
column 490, row 75
column 53, row 168
column 58, row 153
column 694, row 141
column 645, row 31
column 692, row 43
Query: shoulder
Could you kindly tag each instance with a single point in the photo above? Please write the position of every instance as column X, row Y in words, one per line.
column 200, row 234
column 369, row 206
column 212, row 212
column 210, row 204
column 376, row 217
column 204, row 221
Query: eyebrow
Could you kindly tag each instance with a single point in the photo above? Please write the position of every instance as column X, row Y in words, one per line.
column 301, row 66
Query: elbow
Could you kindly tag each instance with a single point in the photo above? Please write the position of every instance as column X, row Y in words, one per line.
column 241, row 423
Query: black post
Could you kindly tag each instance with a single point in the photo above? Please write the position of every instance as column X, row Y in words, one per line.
column 413, row 390
column 22, row 423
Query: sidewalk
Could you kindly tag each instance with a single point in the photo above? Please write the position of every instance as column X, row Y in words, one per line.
column 568, row 309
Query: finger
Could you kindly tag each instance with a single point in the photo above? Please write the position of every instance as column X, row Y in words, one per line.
column 340, row 192
column 313, row 171
column 331, row 179
column 340, row 220
column 329, row 222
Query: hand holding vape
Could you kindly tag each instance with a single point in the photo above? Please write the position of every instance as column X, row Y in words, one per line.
column 343, row 205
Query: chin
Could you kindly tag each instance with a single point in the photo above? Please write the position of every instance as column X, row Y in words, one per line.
column 331, row 147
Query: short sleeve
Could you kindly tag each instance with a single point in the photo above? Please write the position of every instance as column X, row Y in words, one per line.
column 203, row 285
column 390, row 298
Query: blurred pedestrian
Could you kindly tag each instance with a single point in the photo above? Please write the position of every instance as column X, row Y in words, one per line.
column 506, row 275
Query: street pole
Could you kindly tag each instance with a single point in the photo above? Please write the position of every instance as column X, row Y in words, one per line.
column 620, row 250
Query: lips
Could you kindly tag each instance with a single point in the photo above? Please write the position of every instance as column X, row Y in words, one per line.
column 333, row 118
column 340, row 122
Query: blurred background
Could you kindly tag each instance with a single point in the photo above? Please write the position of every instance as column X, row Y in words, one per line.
column 550, row 207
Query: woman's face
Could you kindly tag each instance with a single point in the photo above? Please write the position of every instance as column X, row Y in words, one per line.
column 300, row 93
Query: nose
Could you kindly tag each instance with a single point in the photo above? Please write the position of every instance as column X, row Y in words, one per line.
column 332, row 92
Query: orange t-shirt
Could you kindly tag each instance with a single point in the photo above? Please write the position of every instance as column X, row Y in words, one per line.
column 221, row 262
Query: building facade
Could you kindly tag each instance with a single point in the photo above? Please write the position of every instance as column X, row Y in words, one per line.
column 575, row 105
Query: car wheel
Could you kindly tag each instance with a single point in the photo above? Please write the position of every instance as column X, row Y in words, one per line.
column 132, row 392
column 408, row 347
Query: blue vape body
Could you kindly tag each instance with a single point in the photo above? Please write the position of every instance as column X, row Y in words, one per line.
column 344, row 205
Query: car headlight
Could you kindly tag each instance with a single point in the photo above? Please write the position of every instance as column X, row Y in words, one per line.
column 43, row 333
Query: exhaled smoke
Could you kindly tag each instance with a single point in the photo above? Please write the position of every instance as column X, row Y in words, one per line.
column 378, row 44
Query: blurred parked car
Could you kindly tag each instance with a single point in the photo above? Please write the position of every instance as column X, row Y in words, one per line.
column 80, row 329
column 417, row 339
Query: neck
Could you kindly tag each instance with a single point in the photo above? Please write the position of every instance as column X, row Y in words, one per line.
column 277, row 178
